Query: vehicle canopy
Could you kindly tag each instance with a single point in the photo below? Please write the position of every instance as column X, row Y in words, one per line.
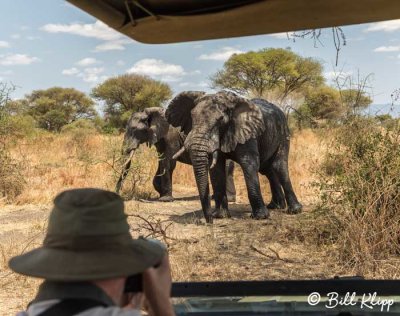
column 170, row 21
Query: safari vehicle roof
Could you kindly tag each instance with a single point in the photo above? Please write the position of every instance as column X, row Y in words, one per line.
column 169, row 21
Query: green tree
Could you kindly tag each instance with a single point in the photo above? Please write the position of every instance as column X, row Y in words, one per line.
column 324, row 103
column 270, row 69
column 55, row 107
column 125, row 94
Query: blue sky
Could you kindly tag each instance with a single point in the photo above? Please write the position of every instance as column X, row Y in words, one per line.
column 46, row 43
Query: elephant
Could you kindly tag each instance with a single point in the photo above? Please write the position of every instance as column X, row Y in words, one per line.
column 151, row 127
column 254, row 133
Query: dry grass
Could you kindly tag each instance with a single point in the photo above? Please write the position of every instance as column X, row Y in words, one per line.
column 290, row 247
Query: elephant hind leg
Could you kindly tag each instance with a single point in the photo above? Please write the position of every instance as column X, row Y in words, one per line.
column 278, row 197
column 281, row 169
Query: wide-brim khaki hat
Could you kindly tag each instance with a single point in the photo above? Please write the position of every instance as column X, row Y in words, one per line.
column 88, row 239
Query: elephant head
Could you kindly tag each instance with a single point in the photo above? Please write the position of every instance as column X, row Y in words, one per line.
column 214, row 123
column 148, row 126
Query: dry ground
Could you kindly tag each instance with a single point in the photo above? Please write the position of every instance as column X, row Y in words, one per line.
column 231, row 249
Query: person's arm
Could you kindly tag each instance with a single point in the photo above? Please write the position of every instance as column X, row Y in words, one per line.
column 157, row 285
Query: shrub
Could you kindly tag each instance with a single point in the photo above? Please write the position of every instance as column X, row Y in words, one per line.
column 80, row 125
column 11, row 127
column 360, row 189
column 137, row 184
column 12, row 181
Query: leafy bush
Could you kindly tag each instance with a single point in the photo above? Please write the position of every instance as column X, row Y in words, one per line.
column 360, row 191
column 12, row 181
column 11, row 127
column 85, row 125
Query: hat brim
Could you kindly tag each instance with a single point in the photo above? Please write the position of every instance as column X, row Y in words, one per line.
column 66, row 265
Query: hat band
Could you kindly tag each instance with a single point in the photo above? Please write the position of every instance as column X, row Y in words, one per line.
column 88, row 243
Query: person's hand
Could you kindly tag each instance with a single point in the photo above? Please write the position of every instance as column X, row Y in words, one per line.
column 132, row 301
column 157, row 285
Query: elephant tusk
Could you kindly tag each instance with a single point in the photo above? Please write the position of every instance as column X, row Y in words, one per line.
column 129, row 158
column 178, row 153
column 214, row 160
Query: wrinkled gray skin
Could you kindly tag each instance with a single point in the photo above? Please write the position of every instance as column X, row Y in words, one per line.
column 253, row 133
column 151, row 127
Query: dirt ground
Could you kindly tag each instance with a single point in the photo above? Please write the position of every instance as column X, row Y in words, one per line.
column 231, row 249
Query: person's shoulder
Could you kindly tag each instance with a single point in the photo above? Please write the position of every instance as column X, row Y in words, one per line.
column 110, row 311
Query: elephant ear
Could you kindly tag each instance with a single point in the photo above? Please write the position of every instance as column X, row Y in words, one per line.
column 157, row 123
column 178, row 111
column 245, row 121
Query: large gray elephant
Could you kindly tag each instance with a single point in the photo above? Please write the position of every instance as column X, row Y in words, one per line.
column 151, row 127
column 254, row 133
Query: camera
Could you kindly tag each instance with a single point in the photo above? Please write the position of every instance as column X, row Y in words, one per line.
column 134, row 283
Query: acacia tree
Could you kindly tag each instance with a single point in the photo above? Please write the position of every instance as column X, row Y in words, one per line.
column 324, row 103
column 125, row 94
column 55, row 107
column 267, row 70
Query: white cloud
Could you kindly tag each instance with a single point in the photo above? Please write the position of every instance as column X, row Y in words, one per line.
column 92, row 74
column 113, row 40
column 113, row 45
column 386, row 26
column 97, row 30
column 87, row 61
column 6, row 72
column 284, row 35
column 70, row 72
column 120, row 63
column 221, row 54
column 387, row 49
column 17, row 59
column 331, row 75
column 159, row 69
column 4, row 44
column 15, row 36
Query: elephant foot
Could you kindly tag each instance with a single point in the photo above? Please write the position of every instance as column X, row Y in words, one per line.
column 166, row 198
column 221, row 213
column 231, row 198
column 295, row 209
column 276, row 205
column 209, row 219
column 260, row 214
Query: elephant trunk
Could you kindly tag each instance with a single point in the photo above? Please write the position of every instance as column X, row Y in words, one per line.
column 125, row 169
column 199, row 157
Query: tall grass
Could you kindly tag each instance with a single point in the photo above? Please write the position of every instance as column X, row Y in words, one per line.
column 360, row 193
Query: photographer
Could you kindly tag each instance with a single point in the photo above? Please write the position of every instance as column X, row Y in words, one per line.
column 90, row 262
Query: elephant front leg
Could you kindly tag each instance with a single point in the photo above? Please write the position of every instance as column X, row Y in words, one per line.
column 162, row 182
column 250, row 166
column 218, row 181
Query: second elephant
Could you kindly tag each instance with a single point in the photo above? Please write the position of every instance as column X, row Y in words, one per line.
column 151, row 127
column 253, row 133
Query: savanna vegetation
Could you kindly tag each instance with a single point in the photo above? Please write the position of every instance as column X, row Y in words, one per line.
column 344, row 166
